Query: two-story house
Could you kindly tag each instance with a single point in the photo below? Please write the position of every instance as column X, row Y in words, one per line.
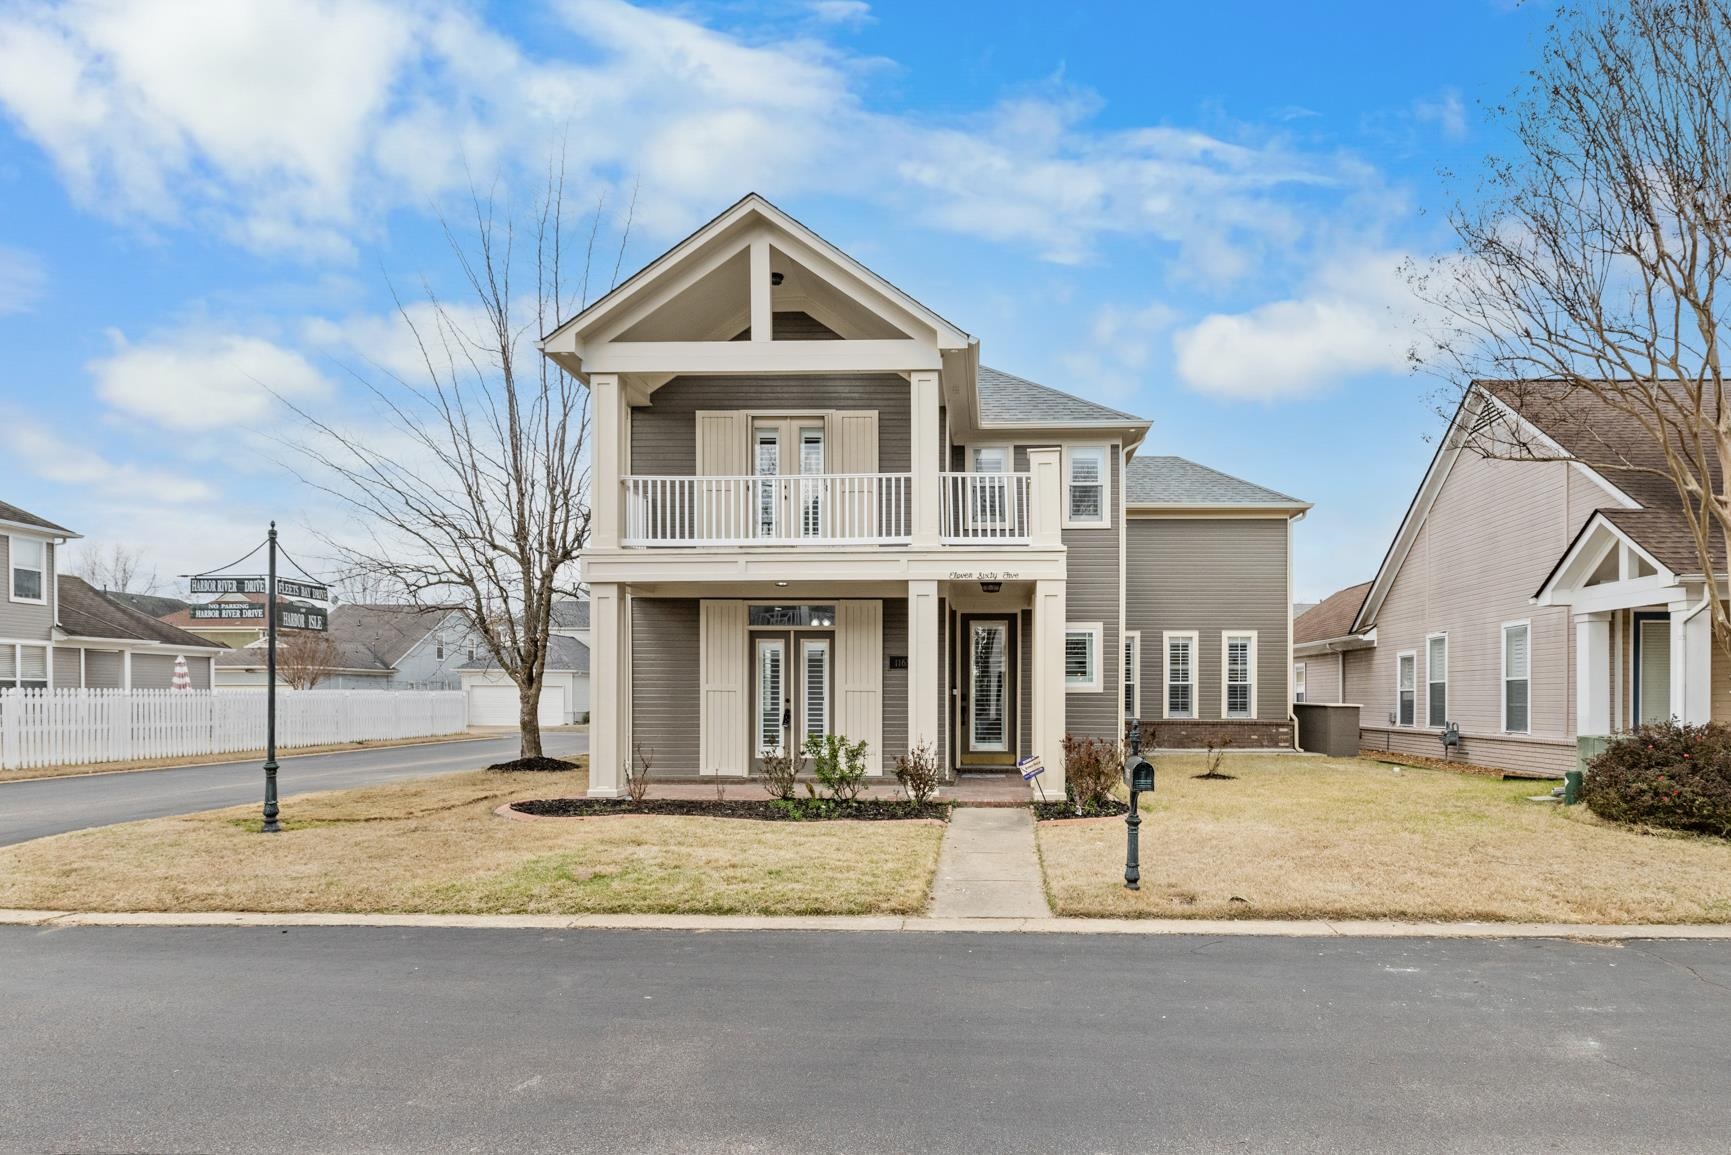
column 58, row 631
column 382, row 646
column 815, row 511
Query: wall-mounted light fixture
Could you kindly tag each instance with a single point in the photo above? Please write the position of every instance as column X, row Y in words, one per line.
column 777, row 278
column 991, row 587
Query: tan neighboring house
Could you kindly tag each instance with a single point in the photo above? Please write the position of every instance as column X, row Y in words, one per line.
column 58, row 631
column 1321, row 638
column 817, row 512
column 1537, row 606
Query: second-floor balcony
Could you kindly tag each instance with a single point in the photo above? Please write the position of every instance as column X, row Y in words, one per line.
column 823, row 509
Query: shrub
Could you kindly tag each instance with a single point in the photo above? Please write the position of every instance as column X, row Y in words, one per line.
column 918, row 772
column 838, row 765
column 637, row 775
column 1093, row 767
column 780, row 771
column 1669, row 775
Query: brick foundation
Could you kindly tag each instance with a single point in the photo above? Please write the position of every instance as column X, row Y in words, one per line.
column 1197, row 733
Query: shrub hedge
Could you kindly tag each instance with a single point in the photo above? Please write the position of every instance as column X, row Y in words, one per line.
column 1669, row 775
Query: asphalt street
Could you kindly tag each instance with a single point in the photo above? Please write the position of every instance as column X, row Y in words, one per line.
column 423, row 1040
column 43, row 806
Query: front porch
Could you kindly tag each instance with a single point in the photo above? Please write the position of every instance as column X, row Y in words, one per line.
column 696, row 681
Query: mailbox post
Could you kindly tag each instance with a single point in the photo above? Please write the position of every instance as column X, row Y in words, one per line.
column 1138, row 777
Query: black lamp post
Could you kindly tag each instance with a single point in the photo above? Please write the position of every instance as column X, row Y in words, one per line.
column 270, row 806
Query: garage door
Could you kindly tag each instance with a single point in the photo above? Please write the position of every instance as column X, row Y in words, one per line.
column 497, row 705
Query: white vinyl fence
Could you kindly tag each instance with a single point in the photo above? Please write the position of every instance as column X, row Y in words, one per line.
column 68, row 727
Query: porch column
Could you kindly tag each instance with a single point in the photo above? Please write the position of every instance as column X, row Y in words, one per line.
column 1046, row 669
column 1045, row 522
column 925, row 665
column 1691, row 663
column 926, row 443
column 607, row 430
column 1592, row 675
column 609, row 743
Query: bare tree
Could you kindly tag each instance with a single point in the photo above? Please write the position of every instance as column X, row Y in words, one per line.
column 474, row 492
column 304, row 658
column 1590, row 291
column 114, row 567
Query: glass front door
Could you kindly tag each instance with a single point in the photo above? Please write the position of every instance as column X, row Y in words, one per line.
column 792, row 695
column 988, row 705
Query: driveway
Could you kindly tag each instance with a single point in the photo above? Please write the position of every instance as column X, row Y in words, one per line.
column 39, row 807
column 428, row 1040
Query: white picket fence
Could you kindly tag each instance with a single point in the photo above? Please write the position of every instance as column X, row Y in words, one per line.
column 70, row 727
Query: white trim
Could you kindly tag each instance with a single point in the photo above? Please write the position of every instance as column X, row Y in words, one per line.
column 1400, row 657
column 1166, row 639
column 1429, row 722
column 1563, row 584
column 1097, row 631
column 1132, row 658
column 12, row 567
column 1226, row 638
column 1503, row 684
column 1104, row 521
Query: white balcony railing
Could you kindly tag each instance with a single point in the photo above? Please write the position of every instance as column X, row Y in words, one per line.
column 795, row 509
column 984, row 508
column 822, row 510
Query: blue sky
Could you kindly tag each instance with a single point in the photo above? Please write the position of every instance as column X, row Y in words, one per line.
column 1195, row 212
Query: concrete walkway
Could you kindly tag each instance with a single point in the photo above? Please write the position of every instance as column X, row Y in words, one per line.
column 988, row 867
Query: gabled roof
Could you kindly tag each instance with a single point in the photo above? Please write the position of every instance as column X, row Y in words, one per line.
column 153, row 604
column 564, row 654
column 85, row 612
column 368, row 638
column 1330, row 618
column 1174, row 481
column 11, row 514
column 1006, row 399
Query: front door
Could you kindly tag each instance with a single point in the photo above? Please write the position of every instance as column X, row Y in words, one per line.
column 1652, row 668
column 988, row 686
column 792, row 689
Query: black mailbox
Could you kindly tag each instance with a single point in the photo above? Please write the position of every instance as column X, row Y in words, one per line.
column 1138, row 774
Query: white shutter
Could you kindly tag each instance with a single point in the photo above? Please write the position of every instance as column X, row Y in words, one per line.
column 859, row 678
column 854, row 504
column 725, row 707
column 722, row 511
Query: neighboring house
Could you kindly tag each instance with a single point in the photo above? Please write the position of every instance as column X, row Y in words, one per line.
column 231, row 633
column 57, row 630
column 150, row 605
column 493, row 696
column 1539, row 606
column 378, row 647
column 571, row 619
column 1321, row 637
column 816, row 512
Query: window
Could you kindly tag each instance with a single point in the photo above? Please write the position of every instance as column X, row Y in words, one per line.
column 1085, row 497
column 990, row 459
column 1132, row 673
column 29, row 561
column 23, row 667
column 791, row 617
column 1238, row 675
column 1436, row 678
column 1517, row 676
column 814, row 691
column 1082, row 656
column 1298, row 681
column 1405, row 681
column 771, row 694
column 811, row 491
column 474, row 651
column 991, row 492
column 1181, row 675
column 439, row 649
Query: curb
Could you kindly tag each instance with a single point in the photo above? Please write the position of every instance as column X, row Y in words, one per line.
column 1155, row 927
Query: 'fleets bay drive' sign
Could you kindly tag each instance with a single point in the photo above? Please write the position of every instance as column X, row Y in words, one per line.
column 285, row 587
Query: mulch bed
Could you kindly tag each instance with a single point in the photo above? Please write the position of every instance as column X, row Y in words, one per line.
column 534, row 766
column 1053, row 811
column 762, row 810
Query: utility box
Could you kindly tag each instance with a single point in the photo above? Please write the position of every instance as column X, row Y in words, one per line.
column 1329, row 728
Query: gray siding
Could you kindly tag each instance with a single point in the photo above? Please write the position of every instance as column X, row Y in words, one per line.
column 422, row 668
column 102, row 669
column 1093, row 573
column 664, row 433
column 664, row 682
column 895, row 699
column 1210, row 575
column 65, row 669
column 25, row 621
column 152, row 671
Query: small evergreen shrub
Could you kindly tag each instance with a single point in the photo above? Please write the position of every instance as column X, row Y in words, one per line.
column 918, row 772
column 838, row 765
column 1669, row 775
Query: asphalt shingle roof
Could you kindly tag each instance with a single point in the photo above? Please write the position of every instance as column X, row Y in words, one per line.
column 23, row 517
column 570, row 614
column 563, row 654
column 1330, row 618
column 1177, row 481
column 85, row 612
column 368, row 638
column 1006, row 399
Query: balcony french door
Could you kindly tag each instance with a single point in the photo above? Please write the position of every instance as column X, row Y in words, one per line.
column 789, row 447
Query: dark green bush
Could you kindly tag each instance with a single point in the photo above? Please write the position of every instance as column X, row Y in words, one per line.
column 1669, row 775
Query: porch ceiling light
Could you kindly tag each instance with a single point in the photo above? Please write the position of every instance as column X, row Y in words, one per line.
column 991, row 587
column 781, row 585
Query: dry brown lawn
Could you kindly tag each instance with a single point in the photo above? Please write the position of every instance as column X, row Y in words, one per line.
column 434, row 846
column 1299, row 837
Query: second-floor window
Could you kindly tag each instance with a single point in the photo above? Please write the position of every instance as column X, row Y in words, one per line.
column 1085, row 486
column 29, row 564
column 439, row 650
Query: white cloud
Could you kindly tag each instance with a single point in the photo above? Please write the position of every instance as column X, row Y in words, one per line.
column 1113, row 362
column 850, row 12
column 400, row 347
column 52, row 457
column 22, row 280
column 295, row 126
column 1357, row 315
column 204, row 381
column 1446, row 111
